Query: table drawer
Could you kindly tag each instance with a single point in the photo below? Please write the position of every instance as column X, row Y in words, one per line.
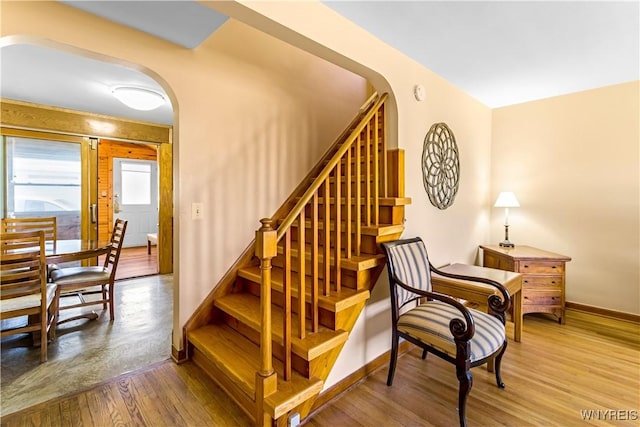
column 549, row 297
column 541, row 267
column 538, row 281
column 500, row 262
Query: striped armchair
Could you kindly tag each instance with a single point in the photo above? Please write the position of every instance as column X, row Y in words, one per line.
column 438, row 323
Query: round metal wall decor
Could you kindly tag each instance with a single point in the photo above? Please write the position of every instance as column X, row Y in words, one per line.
column 440, row 166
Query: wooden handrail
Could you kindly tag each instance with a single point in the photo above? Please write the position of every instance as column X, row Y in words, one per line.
column 291, row 217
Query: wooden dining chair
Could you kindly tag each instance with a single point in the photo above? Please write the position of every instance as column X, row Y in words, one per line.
column 47, row 224
column 24, row 290
column 440, row 324
column 83, row 282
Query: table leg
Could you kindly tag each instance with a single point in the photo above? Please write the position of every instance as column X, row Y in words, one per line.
column 516, row 300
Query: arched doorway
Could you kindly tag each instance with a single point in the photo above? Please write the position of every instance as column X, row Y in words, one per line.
column 147, row 303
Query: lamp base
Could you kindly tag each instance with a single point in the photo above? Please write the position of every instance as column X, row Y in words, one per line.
column 506, row 243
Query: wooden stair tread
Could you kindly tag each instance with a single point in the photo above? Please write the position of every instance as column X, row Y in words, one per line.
column 382, row 229
column 246, row 308
column 334, row 302
column 239, row 358
column 354, row 263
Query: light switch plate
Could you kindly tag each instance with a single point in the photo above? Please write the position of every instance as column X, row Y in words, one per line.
column 196, row 211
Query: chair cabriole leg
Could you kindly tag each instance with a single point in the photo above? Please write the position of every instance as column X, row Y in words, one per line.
column 498, row 362
column 465, row 378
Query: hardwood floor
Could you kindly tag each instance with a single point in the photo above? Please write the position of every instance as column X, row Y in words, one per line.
column 136, row 262
column 86, row 353
column 553, row 377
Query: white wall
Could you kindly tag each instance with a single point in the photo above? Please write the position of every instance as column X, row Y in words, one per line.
column 573, row 163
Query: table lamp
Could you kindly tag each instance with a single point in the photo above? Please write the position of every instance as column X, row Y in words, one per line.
column 506, row 200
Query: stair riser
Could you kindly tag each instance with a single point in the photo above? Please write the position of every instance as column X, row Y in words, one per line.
column 363, row 189
column 363, row 140
column 391, row 215
column 343, row 212
column 385, row 213
column 277, row 298
column 244, row 401
column 348, row 278
column 368, row 244
column 297, row 363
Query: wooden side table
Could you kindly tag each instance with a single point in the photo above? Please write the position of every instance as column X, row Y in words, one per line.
column 543, row 281
column 478, row 293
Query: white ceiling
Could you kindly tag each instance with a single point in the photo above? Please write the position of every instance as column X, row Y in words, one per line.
column 508, row 52
column 500, row 52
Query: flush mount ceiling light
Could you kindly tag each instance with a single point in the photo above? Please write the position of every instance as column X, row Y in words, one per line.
column 138, row 98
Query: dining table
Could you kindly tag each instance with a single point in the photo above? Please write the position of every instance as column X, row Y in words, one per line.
column 67, row 250
column 477, row 293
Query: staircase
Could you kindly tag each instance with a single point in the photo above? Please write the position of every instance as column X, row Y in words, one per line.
column 272, row 329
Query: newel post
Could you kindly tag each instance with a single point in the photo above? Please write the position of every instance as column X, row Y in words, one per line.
column 266, row 378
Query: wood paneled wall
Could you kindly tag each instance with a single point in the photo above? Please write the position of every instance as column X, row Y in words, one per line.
column 107, row 150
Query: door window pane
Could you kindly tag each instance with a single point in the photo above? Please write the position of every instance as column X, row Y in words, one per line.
column 44, row 179
column 136, row 183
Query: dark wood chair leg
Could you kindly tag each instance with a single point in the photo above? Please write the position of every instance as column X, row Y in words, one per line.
column 111, row 299
column 104, row 297
column 498, row 362
column 424, row 353
column 466, row 381
column 393, row 359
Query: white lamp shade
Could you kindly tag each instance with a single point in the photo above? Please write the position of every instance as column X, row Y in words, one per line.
column 138, row 98
column 507, row 199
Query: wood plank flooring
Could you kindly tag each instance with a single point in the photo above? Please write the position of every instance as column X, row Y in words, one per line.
column 552, row 376
column 86, row 353
column 136, row 262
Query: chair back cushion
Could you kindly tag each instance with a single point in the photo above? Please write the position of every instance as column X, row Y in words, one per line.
column 407, row 261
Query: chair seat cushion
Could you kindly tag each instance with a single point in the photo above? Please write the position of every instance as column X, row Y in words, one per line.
column 28, row 301
column 80, row 275
column 429, row 323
